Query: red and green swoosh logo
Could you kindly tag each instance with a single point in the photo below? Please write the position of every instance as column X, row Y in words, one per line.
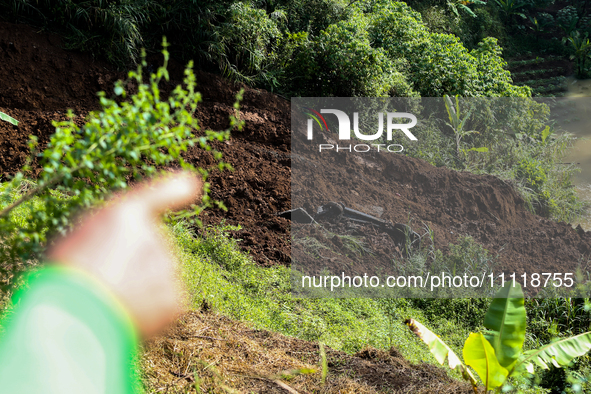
column 316, row 116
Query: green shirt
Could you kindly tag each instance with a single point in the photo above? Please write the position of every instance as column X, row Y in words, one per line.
column 67, row 334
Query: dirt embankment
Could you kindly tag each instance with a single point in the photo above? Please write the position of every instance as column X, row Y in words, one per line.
column 449, row 203
column 220, row 351
column 40, row 81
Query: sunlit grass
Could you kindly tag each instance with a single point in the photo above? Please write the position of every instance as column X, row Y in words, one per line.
column 263, row 297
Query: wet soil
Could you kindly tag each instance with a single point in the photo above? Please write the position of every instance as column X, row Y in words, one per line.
column 449, row 203
column 39, row 81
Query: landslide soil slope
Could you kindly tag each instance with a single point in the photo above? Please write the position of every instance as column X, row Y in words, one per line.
column 449, row 203
column 39, row 81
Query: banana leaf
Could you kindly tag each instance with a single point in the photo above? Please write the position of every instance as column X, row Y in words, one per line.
column 559, row 353
column 506, row 319
column 440, row 350
column 480, row 355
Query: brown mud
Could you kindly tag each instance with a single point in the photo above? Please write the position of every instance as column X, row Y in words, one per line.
column 39, row 81
column 448, row 203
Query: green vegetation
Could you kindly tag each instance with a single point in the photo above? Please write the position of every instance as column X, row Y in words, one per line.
column 8, row 119
column 362, row 48
column 81, row 166
column 497, row 355
column 323, row 48
column 457, row 122
column 221, row 278
column 126, row 140
column 511, row 138
column 304, row 47
column 581, row 47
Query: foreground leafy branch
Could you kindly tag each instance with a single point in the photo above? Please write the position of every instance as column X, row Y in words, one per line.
column 497, row 354
column 130, row 138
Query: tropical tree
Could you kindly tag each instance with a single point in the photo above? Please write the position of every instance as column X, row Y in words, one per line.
column 582, row 48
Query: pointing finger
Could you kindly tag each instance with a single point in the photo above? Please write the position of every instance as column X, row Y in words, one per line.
column 173, row 191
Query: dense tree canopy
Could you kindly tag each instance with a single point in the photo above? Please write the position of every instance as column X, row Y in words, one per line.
column 302, row 47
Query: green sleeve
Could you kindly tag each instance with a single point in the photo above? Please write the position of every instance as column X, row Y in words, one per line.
column 67, row 334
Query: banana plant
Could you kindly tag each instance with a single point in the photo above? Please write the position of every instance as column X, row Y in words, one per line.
column 538, row 25
column 457, row 122
column 497, row 354
column 9, row 119
column 581, row 46
column 510, row 7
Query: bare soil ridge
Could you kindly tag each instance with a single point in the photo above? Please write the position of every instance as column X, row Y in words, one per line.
column 222, row 351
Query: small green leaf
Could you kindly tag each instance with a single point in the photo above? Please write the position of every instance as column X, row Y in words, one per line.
column 546, row 133
column 9, row 119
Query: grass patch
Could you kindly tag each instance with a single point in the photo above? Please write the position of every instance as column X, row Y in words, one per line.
column 262, row 296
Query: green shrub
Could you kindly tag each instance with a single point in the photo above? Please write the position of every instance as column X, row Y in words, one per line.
column 532, row 171
column 567, row 18
column 244, row 43
column 312, row 16
column 439, row 64
column 131, row 137
column 466, row 257
column 345, row 64
column 487, row 24
column 296, row 62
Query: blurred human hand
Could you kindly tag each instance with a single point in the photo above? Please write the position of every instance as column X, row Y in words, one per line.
column 122, row 247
